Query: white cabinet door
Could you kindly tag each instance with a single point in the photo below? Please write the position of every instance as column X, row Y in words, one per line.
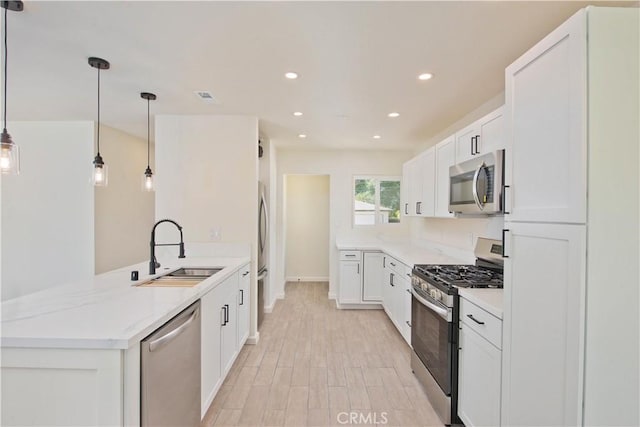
column 445, row 158
column 428, row 167
column 372, row 278
column 544, row 296
column 478, row 380
column 405, row 189
column 244, row 302
column 211, row 322
column 466, row 142
column 415, row 187
column 350, row 291
column 491, row 132
column 404, row 308
column 387, row 290
column 545, row 127
column 229, row 330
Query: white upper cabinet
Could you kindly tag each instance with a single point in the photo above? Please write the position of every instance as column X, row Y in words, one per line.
column 404, row 189
column 445, row 158
column 480, row 137
column 545, row 122
column 427, row 165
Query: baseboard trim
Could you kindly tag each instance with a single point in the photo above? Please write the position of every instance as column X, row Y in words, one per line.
column 307, row 279
column 253, row 340
column 332, row 295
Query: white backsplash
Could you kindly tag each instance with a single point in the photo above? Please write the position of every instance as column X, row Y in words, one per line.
column 460, row 233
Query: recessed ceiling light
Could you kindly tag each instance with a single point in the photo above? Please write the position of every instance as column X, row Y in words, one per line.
column 297, row 114
column 376, row 136
column 425, row 76
column 291, row 75
column 302, row 135
column 393, row 115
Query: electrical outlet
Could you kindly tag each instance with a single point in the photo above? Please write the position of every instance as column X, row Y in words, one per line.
column 215, row 234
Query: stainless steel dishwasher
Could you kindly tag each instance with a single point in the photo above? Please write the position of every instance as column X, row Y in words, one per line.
column 170, row 372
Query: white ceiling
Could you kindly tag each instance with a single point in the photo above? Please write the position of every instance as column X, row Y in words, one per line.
column 357, row 62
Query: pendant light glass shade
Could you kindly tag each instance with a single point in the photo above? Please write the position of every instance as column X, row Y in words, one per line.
column 100, row 172
column 147, row 177
column 9, row 151
column 100, row 176
column 9, row 156
column 147, row 180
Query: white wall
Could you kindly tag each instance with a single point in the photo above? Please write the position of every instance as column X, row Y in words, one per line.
column 341, row 166
column 124, row 214
column 207, row 181
column 307, row 227
column 47, row 210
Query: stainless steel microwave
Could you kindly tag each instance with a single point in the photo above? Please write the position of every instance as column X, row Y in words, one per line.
column 476, row 185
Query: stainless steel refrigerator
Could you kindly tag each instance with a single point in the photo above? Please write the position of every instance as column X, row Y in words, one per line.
column 263, row 231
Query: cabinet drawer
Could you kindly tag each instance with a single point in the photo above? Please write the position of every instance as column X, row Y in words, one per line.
column 394, row 265
column 484, row 323
column 350, row 255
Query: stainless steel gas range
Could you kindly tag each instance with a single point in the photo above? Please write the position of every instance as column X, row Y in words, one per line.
column 434, row 320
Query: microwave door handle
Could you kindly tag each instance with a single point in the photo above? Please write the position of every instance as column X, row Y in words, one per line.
column 475, row 187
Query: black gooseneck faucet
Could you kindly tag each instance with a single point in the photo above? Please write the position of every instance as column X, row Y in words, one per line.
column 153, row 264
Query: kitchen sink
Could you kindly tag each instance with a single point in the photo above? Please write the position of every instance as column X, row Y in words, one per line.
column 182, row 277
column 193, row 272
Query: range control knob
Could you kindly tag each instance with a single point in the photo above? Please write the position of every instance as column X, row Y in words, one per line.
column 435, row 294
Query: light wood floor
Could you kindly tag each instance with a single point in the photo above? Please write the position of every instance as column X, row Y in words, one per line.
column 315, row 364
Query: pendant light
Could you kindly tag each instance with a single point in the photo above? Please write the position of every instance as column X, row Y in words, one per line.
column 100, row 176
column 147, row 178
column 9, row 151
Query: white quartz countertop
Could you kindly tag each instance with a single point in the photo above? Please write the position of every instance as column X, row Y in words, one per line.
column 490, row 300
column 403, row 250
column 106, row 311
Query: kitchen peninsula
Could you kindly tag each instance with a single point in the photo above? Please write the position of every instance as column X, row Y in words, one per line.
column 73, row 351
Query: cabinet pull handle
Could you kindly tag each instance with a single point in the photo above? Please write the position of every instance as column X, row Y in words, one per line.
column 476, row 143
column 408, row 291
column 419, row 208
column 245, row 273
column 384, row 262
column 358, row 268
column 504, row 199
column 471, row 143
column 409, row 323
column 391, row 279
column 470, row 316
column 241, row 296
column 226, row 314
column 350, row 255
column 504, row 231
column 406, row 208
column 392, row 264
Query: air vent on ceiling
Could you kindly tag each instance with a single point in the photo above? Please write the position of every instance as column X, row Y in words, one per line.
column 205, row 96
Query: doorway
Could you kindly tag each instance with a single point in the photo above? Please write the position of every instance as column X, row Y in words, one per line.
column 306, row 223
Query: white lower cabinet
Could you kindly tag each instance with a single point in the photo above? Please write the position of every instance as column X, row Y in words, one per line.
column 219, row 329
column 350, row 282
column 480, row 366
column 394, row 295
column 372, row 276
column 543, row 324
column 244, row 304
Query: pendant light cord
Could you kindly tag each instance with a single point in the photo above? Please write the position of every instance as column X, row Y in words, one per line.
column 4, row 123
column 148, row 133
column 98, row 138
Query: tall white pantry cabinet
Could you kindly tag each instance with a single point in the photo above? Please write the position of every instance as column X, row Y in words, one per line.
column 570, row 352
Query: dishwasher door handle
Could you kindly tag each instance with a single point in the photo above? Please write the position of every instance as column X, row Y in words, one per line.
column 168, row 337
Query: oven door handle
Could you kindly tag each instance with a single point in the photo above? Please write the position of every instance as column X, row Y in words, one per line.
column 474, row 188
column 442, row 312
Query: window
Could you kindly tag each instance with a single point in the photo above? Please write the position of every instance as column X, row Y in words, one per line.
column 376, row 200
